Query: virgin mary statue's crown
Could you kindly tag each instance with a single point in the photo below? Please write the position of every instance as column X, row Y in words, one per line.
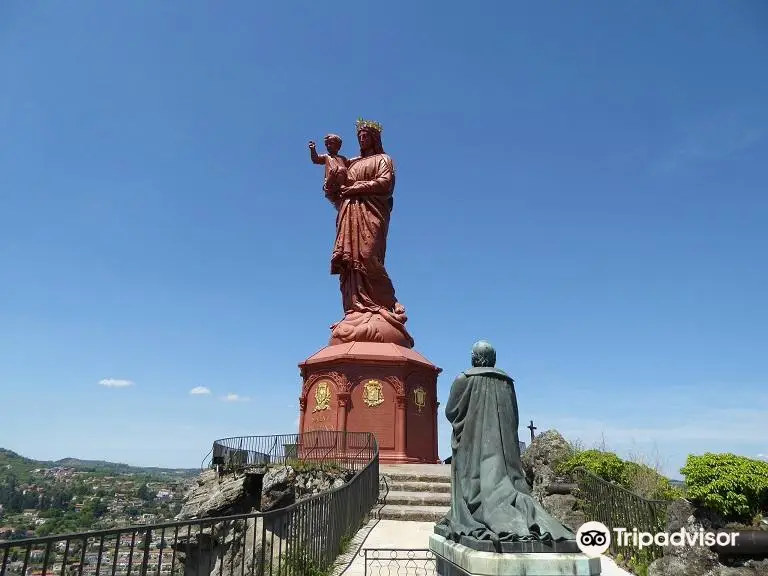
column 368, row 125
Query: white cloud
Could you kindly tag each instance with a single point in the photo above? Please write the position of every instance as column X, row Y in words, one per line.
column 115, row 383
column 199, row 391
column 713, row 138
column 235, row 398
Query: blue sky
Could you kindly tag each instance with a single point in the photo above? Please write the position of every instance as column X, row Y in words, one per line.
column 581, row 183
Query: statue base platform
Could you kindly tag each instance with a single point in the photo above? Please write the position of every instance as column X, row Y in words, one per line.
column 385, row 389
column 527, row 547
column 453, row 559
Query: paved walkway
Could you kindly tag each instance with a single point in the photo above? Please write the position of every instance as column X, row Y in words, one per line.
column 408, row 535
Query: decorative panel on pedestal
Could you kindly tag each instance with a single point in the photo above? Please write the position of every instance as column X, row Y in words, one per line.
column 322, row 407
column 369, row 415
column 385, row 389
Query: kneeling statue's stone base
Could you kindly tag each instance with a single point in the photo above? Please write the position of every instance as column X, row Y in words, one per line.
column 455, row 559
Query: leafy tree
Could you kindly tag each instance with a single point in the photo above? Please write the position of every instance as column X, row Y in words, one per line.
column 94, row 509
column 733, row 486
column 144, row 492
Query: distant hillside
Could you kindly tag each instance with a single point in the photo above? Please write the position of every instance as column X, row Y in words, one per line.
column 21, row 466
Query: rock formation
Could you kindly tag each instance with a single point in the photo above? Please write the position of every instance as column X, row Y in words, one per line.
column 238, row 543
column 539, row 460
column 698, row 560
column 234, row 494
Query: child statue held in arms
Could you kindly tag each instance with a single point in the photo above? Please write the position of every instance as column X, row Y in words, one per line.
column 335, row 167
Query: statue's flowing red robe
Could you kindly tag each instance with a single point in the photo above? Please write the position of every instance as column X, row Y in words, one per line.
column 371, row 310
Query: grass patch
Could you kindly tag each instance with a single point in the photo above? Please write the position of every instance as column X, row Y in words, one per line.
column 299, row 563
column 637, row 564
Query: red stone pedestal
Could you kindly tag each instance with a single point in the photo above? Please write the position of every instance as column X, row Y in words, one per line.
column 372, row 387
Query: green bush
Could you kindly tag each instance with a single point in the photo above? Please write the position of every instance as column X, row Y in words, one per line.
column 606, row 465
column 733, row 486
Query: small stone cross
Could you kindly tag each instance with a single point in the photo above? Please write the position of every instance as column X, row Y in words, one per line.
column 531, row 427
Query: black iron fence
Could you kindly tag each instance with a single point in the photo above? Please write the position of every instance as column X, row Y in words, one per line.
column 346, row 450
column 617, row 507
column 300, row 540
column 399, row 562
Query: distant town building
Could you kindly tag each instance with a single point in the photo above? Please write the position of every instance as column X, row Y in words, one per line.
column 164, row 495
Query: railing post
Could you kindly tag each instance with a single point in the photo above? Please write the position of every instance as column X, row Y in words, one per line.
column 145, row 559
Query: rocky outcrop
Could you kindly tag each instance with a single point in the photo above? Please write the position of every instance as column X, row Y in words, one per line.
column 213, row 497
column 564, row 507
column 697, row 560
column 284, row 486
column 539, row 460
column 237, row 493
column 236, row 545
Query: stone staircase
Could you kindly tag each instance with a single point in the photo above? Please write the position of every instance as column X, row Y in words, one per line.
column 416, row 496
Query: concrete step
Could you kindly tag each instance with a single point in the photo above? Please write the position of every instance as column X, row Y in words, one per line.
column 407, row 486
column 417, row 477
column 417, row 498
column 411, row 513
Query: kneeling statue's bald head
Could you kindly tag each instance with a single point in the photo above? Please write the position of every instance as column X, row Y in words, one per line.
column 483, row 355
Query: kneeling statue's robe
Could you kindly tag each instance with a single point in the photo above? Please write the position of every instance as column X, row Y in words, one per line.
column 490, row 498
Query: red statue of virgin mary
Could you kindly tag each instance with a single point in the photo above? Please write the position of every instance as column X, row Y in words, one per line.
column 371, row 310
column 369, row 378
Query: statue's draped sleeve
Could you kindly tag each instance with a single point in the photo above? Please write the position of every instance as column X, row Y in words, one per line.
column 456, row 408
column 383, row 182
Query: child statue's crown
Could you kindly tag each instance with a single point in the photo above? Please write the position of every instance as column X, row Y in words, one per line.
column 368, row 125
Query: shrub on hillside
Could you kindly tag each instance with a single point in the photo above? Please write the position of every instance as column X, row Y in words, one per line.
column 733, row 486
column 606, row 465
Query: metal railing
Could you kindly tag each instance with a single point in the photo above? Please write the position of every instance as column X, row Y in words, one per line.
column 346, row 450
column 617, row 507
column 302, row 539
column 399, row 561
